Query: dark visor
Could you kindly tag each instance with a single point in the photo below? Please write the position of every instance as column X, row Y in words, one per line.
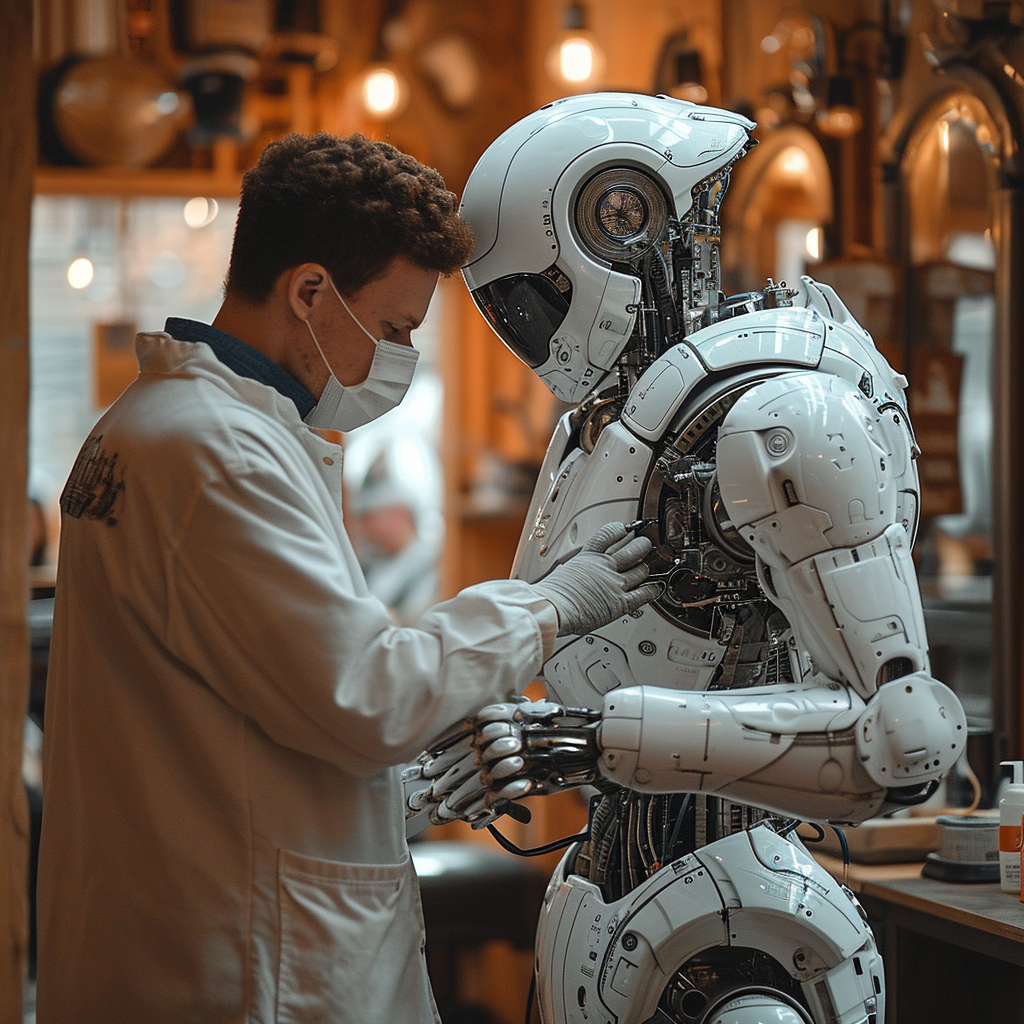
column 525, row 310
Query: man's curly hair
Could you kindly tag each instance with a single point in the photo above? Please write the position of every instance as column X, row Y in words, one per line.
column 350, row 204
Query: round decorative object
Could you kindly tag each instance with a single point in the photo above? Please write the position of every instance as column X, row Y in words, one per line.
column 117, row 112
column 968, row 849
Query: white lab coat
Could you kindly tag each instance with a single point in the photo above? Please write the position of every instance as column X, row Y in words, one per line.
column 223, row 837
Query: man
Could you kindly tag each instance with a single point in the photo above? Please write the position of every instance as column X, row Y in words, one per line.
column 223, row 836
column 399, row 563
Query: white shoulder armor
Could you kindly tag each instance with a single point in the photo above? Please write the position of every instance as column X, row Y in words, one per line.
column 819, row 481
column 777, row 337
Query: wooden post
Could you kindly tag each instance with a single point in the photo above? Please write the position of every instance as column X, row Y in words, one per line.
column 17, row 162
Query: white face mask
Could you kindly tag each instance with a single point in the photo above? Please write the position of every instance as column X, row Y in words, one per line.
column 345, row 408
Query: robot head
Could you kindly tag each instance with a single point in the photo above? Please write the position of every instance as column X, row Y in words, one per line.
column 596, row 220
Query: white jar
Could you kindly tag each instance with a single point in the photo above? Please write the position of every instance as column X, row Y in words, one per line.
column 1011, row 811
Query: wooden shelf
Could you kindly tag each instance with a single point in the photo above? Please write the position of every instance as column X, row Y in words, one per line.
column 103, row 181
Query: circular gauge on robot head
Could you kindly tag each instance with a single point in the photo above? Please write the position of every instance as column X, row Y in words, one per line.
column 620, row 213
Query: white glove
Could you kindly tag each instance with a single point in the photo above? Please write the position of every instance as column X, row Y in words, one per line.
column 601, row 582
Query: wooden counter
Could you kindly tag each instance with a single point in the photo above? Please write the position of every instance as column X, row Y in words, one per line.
column 953, row 952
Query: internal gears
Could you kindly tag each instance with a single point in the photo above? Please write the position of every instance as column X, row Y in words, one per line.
column 620, row 213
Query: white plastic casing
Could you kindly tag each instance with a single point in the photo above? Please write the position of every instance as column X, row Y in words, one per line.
column 520, row 199
column 810, row 750
column 608, row 963
column 811, row 474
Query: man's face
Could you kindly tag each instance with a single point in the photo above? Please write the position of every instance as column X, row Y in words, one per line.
column 390, row 307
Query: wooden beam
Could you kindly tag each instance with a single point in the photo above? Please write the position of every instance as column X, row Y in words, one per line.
column 17, row 160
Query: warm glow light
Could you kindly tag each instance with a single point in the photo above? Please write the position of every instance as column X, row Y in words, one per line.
column 576, row 59
column 794, row 162
column 199, row 212
column 839, row 122
column 944, row 137
column 813, row 243
column 80, row 273
column 694, row 92
column 382, row 92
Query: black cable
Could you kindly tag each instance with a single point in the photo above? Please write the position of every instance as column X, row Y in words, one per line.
column 684, row 808
column 844, row 845
column 529, row 996
column 537, row 851
column 820, row 833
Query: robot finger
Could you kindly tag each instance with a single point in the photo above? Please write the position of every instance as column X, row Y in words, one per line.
column 504, row 768
column 453, row 779
column 515, row 790
column 492, row 731
column 417, row 801
column 501, row 748
column 439, row 765
column 471, row 790
column 442, row 814
column 496, row 713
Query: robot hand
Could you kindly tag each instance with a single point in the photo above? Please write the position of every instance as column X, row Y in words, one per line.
column 502, row 754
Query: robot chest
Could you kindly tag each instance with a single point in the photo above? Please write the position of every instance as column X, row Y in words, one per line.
column 713, row 625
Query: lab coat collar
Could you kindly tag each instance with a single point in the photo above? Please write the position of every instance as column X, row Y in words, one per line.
column 159, row 353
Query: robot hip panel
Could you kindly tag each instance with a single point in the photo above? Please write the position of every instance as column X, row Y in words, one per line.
column 752, row 909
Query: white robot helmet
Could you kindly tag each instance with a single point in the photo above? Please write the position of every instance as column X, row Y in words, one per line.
column 569, row 203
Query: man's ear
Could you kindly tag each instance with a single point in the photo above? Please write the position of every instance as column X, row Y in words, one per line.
column 304, row 285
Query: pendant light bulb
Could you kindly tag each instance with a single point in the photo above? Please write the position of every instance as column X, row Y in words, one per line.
column 575, row 58
column 383, row 92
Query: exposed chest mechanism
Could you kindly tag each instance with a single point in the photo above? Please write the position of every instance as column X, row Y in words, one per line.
column 655, row 456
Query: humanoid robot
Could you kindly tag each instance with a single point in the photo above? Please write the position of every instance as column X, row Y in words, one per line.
column 762, row 443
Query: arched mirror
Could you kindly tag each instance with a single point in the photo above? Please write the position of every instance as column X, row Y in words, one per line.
column 954, row 238
column 778, row 202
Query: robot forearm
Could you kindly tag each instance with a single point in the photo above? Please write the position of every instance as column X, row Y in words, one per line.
column 814, row 751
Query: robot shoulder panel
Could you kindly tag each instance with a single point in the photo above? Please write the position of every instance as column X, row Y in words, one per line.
column 779, row 337
column 768, row 341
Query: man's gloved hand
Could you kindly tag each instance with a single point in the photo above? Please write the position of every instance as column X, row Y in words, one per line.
column 601, row 582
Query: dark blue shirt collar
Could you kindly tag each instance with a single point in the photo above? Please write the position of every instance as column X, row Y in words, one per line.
column 243, row 359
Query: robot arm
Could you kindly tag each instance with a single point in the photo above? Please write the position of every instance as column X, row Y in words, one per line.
column 815, row 751
column 818, row 480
